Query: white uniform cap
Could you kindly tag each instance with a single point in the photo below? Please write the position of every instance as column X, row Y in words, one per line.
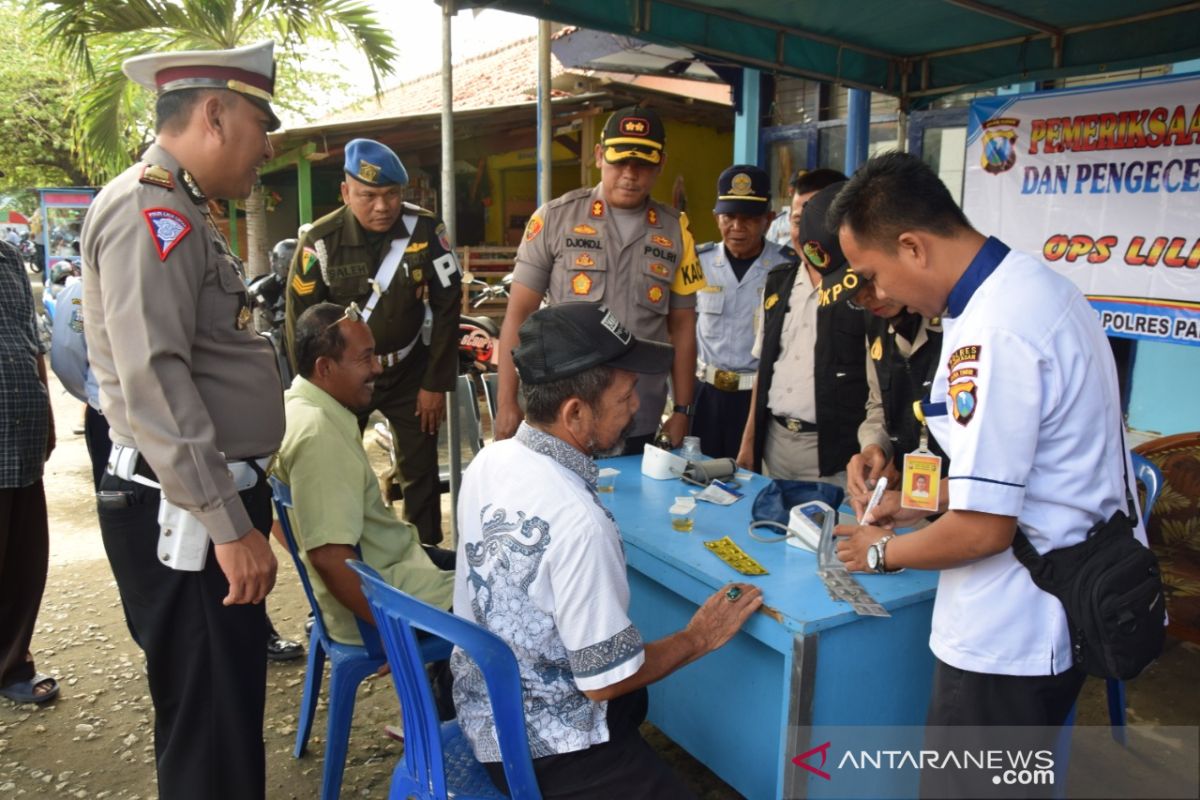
column 249, row 71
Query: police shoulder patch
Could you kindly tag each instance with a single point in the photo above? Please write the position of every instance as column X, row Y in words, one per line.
column 533, row 228
column 167, row 228
column 308, row 260
column 963, row 401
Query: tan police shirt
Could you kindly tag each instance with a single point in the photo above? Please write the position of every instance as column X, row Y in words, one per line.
column 571, row 252
column 183, row 376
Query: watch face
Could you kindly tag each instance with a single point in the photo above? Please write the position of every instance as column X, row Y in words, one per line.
column 873, row 557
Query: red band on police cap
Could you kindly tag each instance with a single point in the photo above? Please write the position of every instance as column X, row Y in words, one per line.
column 255, row 79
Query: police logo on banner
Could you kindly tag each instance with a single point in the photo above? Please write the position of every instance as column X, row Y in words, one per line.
column 999, row 145
column 167, row 228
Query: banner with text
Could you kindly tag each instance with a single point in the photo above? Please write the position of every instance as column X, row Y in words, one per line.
column 1104, row 184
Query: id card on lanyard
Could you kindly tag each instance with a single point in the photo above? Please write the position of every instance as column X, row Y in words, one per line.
column 921, row 480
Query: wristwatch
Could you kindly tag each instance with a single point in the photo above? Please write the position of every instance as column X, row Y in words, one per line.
column 688, row 410
column 876, row 556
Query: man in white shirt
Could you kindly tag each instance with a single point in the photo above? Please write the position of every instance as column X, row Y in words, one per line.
column 541, row 564
column 1027, row 408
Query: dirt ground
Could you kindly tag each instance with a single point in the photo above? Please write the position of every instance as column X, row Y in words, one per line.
column 96, row 739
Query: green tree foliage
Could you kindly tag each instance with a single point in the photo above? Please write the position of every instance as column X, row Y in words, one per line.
column 36, row 95
column 95, row 36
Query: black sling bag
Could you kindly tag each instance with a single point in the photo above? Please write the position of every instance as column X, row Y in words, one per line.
column 1111, row 588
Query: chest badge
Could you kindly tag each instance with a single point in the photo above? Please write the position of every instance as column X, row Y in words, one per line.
column 771, row 301
column 585, row 230
column 661, row 241
column 581, row 284
column 584, row 260
column 652, row 217
column 660, row 269
column 597, row 208
column 654, row 294
column 418, row 275
column 243, row 318
column 877, row 349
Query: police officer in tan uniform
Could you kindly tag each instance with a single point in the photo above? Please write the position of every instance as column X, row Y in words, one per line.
column 616, row 245
column 194, row 402
column 394, row 260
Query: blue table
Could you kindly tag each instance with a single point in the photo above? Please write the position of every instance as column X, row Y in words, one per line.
column 746, row 710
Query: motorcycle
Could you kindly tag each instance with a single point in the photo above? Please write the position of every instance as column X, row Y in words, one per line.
column 29, row 253
column 268, row 300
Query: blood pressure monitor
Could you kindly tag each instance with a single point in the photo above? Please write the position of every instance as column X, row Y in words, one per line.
column 806, row 520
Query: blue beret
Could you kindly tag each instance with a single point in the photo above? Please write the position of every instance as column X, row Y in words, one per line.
column 374, row 164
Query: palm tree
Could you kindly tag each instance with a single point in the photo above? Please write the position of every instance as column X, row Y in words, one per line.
column 96, row 36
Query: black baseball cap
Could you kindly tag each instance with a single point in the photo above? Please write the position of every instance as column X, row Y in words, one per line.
column 634, row 132
column 818, row 244
column 743, row 189
column 566, row 339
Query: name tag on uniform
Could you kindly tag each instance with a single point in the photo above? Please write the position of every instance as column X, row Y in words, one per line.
column 713, row 289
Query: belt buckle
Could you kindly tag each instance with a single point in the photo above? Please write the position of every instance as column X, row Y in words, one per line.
column 726, row 380
column 793, row 425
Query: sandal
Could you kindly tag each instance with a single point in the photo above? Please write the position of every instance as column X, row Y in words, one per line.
column 25, row 691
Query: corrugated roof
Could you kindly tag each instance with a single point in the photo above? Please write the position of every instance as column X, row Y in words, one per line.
column 502, row 77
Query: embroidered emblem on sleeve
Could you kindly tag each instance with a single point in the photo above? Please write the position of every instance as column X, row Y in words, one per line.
column 308, row 260
column 962, row 400
column 302, row 287
column 533, row 228
column 167, row 228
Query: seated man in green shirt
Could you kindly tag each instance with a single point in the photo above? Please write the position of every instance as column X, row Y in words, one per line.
column 338, row 505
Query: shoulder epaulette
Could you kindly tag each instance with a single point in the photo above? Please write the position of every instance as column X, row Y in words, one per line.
column 704, row 248
column 413, row 208
column 574, row 194
column 157, row 176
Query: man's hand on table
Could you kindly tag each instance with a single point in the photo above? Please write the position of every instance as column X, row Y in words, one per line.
column 723, row 615
column 676, row 427
column 852, row 544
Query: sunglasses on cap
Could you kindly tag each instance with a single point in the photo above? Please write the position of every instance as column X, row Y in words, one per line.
column 353, row 313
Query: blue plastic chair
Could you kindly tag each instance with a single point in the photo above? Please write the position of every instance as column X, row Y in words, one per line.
column 438, row 762
column 349, row 665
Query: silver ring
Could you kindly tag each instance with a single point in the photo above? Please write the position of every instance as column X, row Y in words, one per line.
column 733, row 594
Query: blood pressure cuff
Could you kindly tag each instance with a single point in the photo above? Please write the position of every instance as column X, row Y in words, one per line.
column 777, row 499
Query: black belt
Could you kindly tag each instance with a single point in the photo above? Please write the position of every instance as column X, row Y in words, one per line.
column 796, row 425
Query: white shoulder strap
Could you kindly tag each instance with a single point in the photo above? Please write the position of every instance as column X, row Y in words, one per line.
column 391, row 262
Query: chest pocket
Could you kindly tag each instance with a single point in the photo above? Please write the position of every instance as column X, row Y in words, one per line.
column 710, row 302
column 584, row 274
column 349, row 282
column 654, row 285
column 225, row 303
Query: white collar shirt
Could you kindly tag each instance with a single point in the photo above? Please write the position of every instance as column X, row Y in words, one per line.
column 1032, row 432
column 723, row 337
column 542, row 566
column 793, row 389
